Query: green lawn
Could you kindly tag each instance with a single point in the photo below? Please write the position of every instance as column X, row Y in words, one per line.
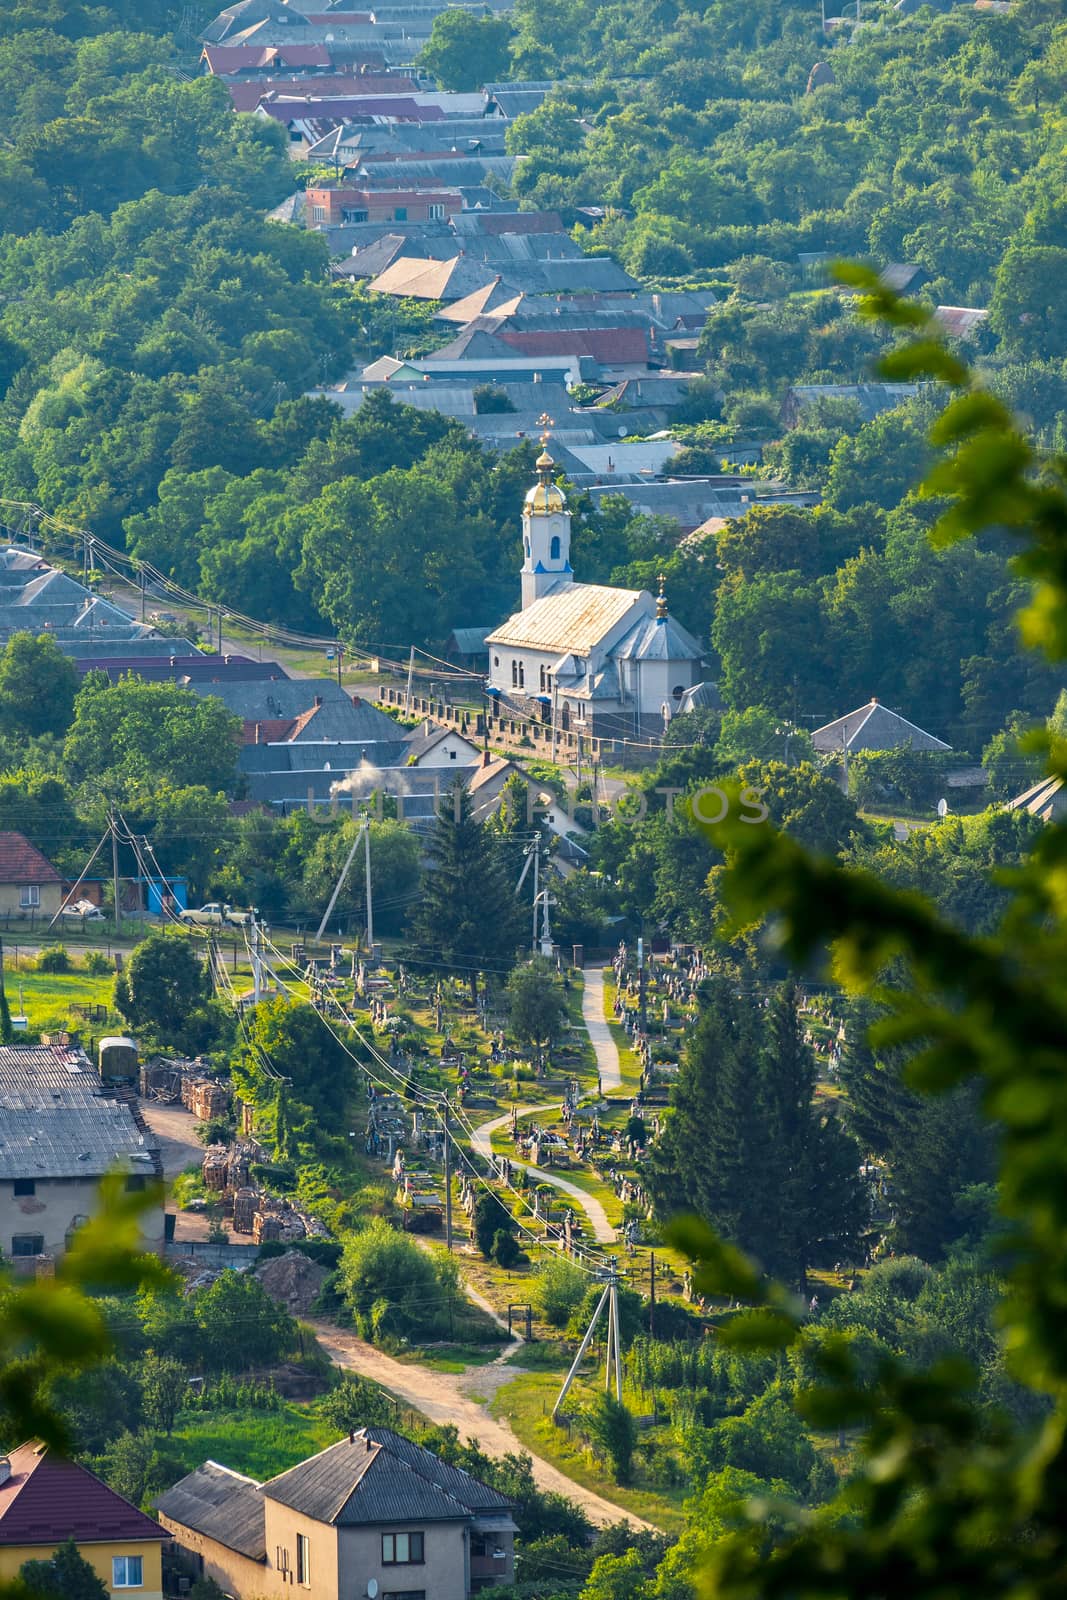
column 48, row 996
column 259, row 1443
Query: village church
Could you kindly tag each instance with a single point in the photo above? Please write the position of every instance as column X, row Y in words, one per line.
column 609, row 662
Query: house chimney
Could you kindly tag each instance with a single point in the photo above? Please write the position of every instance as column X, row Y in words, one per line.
column 318, row 701
column 5, row 1469
column 370, row 1445
column 259, row 727
column 357, row 700
column 487, row 759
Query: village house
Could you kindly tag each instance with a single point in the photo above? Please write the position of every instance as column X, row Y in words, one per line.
column 375, row 1508
column 44, row 1501
column 30, row 886
column 328, row 205
column 61, row 1130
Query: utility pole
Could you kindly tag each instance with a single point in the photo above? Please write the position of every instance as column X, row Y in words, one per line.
column 411, row 674
column 257, row 970
column 536, row 893
column 448, row 1172
column 144, row 591
column 340, row 655
column 115, row 872
column 652, row 1294
column 370, row 901
column 555, row 717
column 220, row 630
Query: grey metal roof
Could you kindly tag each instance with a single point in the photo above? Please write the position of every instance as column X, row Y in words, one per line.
column 659, row 639
column 57, row 1122
column 276, row 699
column 378, row 1477
column 220, row 1504
column 874, row 727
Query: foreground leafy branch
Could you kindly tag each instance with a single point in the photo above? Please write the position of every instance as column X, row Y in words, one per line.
column 946, row 1500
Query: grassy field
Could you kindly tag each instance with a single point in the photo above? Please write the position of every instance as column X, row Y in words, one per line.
column 259, row 1443
column 527, row 1404
column 48, row 997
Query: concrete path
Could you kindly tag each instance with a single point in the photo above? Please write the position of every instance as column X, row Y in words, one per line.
column 595, row 1214
column 596, row 1026
column 440, row 1397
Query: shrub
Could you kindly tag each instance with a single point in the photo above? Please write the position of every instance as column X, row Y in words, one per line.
column 98, row 965
column 393, row 1288
column 557, row 1290
column 55, row 958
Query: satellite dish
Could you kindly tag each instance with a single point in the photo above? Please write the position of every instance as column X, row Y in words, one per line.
column 942, row 808
column 372, row 1588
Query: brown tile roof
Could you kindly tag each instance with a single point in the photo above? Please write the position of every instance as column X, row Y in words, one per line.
column 47, row 1500
column 22, row 862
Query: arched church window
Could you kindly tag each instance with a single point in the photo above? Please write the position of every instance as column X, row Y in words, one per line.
column 514, row 674
column 544, row 679
column 522, row 675
column 526, row 544
column 554, row 548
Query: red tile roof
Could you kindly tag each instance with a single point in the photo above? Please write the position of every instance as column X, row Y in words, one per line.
column 613, row 346
column 47, row 1500
column 268, row 730
column 22, row 862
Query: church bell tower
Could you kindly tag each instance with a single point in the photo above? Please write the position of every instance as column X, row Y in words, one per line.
column 546, row 531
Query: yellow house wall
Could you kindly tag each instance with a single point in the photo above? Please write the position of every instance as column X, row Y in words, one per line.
column 99, row 1558
column 51, row 900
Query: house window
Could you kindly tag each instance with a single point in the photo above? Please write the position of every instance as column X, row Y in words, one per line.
column 135, row 1182
column 436, row 212
column 553, row 549
column 405, row 1594
column 25, row 1186
column 400, row 214
column 402, row 1549
column 126, row 1572
column 514, row 674
column 522, row 675
column 318, row 213
column 451, row 755
column 581, row 711
column 27, row 1244
column 29, row 896
column 359, row 215
column 544, row 679
column 496, row 661
column 303, row 1560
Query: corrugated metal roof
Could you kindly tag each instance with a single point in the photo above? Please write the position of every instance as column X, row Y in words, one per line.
column 56, row 1122
column 378, row 1477
column 220, row 1504
column 576, row 618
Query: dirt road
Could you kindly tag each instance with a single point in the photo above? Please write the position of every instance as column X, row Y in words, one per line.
column 441, row 1398
column 604, row 1047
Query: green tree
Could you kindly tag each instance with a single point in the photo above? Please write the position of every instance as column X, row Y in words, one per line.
column 465, row 51
column 240, row 1325
column 355, row 1403
column 164, row 1386
column 66, row 1574
column 395, row 873
column 131, row 1465
column 613, row 1432
column 164, row 984
column 37, row 686
column 466, row 921
column 135, row 733
column 289, row 1040
column 537, row 1007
